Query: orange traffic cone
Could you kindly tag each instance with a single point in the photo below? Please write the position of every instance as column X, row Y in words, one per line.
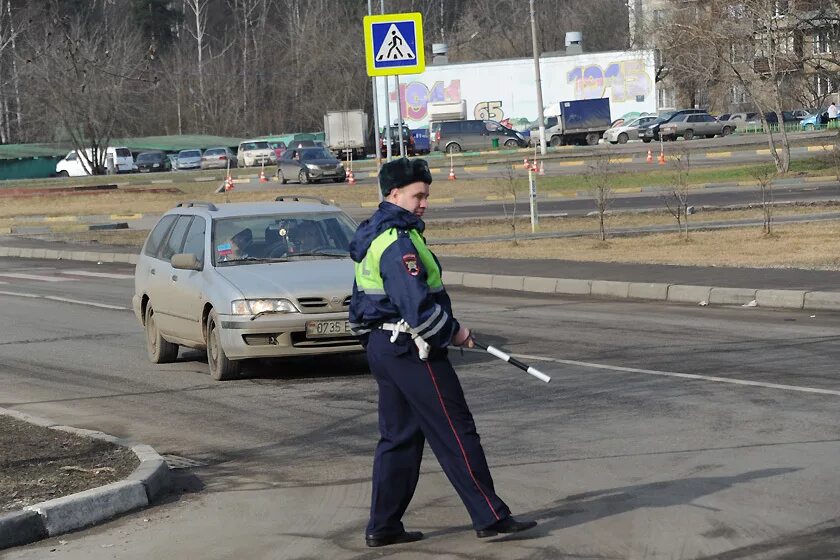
column 525, row 163
column 262, row 177
column 451, row 173
column 534, row 166
column 650, row 156
column 661, row 158
column 351, row 180
column 542, row 167
column 229, row 183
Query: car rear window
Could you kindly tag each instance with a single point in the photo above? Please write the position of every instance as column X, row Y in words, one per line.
column 149, row 156
column 123, row 152
column 214, row 152
column 189, row 153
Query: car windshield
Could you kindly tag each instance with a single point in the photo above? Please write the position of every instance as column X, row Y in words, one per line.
column 215, row 152
column 255, row 146
column 189, row 153
column 309, row 154
column 281, row 237
column 149, row 156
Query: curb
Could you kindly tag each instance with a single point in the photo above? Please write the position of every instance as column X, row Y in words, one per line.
column 54, row 517
column 673, row 293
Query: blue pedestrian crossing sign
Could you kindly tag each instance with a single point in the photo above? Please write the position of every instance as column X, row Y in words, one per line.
column 394, row 44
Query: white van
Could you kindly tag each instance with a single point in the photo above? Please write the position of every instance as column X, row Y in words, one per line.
column 256, row 152
column 73, row 166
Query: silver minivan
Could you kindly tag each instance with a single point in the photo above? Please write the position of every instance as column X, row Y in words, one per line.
column 473, row 135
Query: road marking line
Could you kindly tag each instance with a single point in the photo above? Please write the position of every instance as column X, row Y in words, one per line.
column 571, row 163
column 88, row 303
column 98, row 274
column 37, row 277
column 795, row 388
column 719, row 154
column 19, row 294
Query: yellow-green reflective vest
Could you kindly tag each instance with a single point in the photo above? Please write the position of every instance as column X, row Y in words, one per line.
column 368, row 276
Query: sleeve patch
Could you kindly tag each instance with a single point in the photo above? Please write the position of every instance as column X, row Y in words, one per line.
column 412, row 265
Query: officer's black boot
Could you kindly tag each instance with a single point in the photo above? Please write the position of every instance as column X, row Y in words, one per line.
column 398, row 538
column 506, row 525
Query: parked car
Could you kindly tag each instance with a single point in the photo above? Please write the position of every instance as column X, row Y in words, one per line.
column 256, row 152
column 74, row 166
column 627, row 131
column 302, row 144
column 309, row 165
column 650, row 131
column 746, row 117
column 189, row 159
column 724, row 117
column 689, row 126
column 278, row 147
column 408, row 142
column 456, row 136
column 787, row 117
column 246, row 280
column 153, row 161
column 218, row 158
column 816, row 121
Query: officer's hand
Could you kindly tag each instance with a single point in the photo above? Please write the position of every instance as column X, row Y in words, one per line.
column 463, row 338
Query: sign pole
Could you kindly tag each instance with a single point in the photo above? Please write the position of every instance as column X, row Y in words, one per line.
column 388, row 136
column 532, row 197
column 399, row 113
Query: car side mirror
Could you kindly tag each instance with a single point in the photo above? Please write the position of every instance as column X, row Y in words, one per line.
column 185, row 261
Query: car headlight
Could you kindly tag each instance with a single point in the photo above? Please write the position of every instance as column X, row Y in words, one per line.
column 339, row 166
column 312, row 166
column 256, row 306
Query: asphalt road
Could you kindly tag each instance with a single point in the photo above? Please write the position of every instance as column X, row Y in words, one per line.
column 668, row 431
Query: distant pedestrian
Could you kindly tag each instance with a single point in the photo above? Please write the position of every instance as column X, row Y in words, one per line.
column 403, row 314
column 832, row 113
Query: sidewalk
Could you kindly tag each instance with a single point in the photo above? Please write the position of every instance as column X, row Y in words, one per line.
column 759, row 287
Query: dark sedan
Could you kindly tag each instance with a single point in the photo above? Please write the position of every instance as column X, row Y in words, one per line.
column 152, row 161
column 309, row 165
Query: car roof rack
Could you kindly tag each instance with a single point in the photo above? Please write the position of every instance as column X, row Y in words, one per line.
column 299, row 198
column 192, row 203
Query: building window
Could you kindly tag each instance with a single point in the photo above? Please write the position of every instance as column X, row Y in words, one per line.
column 822, row 41
column 665, row 97
column 738, row 94
column 823, row 85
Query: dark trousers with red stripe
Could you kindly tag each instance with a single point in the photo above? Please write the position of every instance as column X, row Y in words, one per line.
column 418, row 401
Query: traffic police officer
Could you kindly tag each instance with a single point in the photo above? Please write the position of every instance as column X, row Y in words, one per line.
column 404, row 317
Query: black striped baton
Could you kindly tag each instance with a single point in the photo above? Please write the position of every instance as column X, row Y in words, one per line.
column 513, row 361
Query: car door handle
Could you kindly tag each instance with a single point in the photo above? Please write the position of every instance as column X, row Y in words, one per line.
column 174, row 277
column 152, row 271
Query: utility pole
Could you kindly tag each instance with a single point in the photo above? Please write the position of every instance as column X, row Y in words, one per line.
column 375, row 110
column 540, row 117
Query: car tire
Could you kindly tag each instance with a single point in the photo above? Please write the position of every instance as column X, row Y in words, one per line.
column 556, row 141
column 809, row 127
column 160, row 351
column 688, row 134
column 623, row 138
column 221, row 368
column 646, row 140
column 726, row 131
column 303, row 177
column 453, row 148
column 339, row 180
column 511, row 143
column 63, row 174
column 592, row 139
column 282, row 177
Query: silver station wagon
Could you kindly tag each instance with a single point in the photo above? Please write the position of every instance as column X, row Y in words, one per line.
column 246, row 280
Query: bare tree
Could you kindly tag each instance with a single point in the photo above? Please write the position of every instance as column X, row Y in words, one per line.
column 89, row 78
column 599, row 182
column 507, row 188
column 675, row 195
column 764, row 177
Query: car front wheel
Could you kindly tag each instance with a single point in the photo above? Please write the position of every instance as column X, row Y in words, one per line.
column 160, row 351
column 623, row 138
column 453, row 148
column 221, row 368
column 303, row 177
column 511, row 143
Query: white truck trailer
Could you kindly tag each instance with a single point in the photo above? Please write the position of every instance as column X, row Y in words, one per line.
column 346, row 131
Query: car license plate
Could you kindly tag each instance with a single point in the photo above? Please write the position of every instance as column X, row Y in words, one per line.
column 325, row 329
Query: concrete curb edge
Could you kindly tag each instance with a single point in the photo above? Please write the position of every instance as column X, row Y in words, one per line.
column 142, row 487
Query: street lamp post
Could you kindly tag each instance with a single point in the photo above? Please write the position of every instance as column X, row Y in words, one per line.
column 540, row 117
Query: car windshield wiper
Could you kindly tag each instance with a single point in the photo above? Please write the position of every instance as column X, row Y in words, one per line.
column 254, row 260
column 336, row 253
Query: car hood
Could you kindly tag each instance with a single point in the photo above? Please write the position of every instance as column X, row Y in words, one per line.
column 293, row 279
column 323, row 161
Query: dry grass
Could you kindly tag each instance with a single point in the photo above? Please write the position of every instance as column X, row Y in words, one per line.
column 486, row 227
column 809, row 245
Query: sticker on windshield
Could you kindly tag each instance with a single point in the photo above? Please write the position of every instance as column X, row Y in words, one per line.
column 224, row 249
column 411, row 264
